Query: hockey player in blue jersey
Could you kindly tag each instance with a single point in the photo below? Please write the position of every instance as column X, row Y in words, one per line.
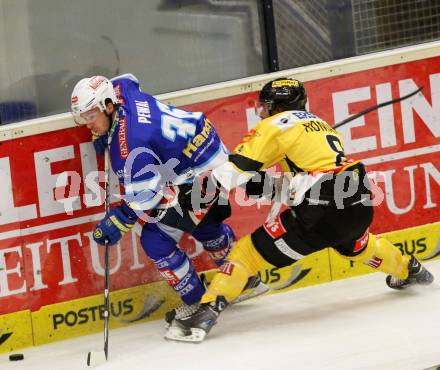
column 157, row 151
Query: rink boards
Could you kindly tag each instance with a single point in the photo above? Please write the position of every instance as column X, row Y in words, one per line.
column 51, row 272
column 151, row 301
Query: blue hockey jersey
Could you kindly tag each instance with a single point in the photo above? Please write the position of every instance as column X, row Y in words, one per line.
column 154, row 144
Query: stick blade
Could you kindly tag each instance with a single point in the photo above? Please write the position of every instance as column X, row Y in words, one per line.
column 96, row 358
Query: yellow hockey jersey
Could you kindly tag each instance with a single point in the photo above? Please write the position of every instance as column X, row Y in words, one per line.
column 299, row 141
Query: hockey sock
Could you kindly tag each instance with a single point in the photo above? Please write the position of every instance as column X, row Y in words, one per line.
column 244, row 261
column 180, row 274
column 382, row 255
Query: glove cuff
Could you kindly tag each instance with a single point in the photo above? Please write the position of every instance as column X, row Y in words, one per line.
column 128, row 212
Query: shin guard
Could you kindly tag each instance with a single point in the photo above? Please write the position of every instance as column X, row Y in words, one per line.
column 382, row 255
column 217, row 240
column 243, row 262
column 180, row 274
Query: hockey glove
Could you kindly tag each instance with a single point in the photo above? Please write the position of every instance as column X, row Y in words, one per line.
column 261, row 185
column 184, row 196
column 114, row 225
column 100, row 143
column 199, row 195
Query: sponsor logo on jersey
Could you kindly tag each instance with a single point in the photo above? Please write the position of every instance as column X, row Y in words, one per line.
column 374, row 262
column 187, row 289
column 181, row 285
column 284, row 248
column 362, row 242
column 226, row 268
column 169, row 276
column 143, row 111
column 122, row 138
column 275, row 228
column 198, row 140
column 304, row 115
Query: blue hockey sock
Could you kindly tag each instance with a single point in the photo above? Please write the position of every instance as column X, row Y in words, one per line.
column 180, row 274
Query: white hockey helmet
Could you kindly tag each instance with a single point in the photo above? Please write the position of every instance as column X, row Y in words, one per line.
column 90, row 93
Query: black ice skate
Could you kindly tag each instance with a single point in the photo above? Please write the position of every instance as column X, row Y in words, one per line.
column 179, row 312
column 195, row 327
column 184, row 310
column 417, row 275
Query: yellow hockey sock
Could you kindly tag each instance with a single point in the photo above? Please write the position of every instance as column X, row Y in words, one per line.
column 243, row 261
column 382, row 255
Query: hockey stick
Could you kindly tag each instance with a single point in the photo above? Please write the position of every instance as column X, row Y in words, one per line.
column 95, row 358
column 368, row 110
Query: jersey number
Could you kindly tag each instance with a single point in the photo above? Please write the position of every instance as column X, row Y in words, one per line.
column 336, row 146
column 176, row 122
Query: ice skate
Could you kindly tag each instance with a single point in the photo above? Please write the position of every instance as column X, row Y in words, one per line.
column 195, row 327
column 417, row 275
column 179, row 312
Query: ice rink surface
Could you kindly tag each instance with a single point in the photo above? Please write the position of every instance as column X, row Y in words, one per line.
column 352, row 324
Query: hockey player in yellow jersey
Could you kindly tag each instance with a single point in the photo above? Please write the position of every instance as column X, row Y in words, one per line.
column 329, row 198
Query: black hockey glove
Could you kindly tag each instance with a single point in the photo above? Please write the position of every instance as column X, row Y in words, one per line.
column 200, row 194
column 260, row 185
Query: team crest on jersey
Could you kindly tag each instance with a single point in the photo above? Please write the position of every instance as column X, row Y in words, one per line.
column 122, row 138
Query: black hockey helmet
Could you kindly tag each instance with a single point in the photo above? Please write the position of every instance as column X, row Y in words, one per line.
column 284, row 93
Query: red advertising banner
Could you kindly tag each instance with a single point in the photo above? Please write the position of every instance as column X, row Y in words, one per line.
column 399, row 143
column 47, row 255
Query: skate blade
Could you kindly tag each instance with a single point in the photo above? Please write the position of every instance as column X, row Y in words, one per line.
column 177, row 334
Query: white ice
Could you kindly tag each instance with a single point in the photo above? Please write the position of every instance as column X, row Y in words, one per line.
column 351, row 324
